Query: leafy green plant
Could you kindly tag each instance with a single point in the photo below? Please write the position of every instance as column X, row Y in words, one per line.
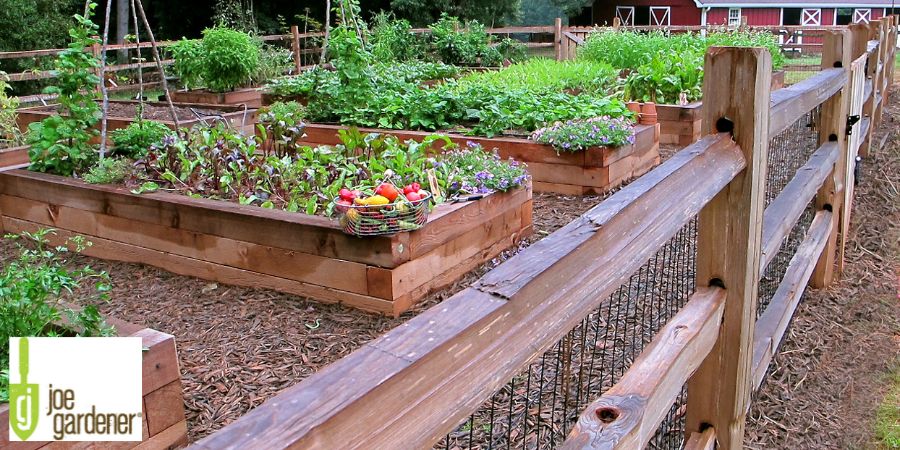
column 577, row 135
column 461, row 44
column 393, row 40
column 10, row 136
column 274, row 62
column 188, row 66
column 135, row 139
column 110, row 170
column 280, row 127
column 39, row 289
column 60, row 144
column 548, row 75
column 219, row 163
column 230, row 58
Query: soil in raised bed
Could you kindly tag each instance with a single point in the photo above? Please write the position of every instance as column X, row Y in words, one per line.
column 158, row 112
column 240, row 346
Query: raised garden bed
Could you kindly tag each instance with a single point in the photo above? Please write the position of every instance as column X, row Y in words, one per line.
column 13, row 158
column 164, row 423
column 680, row 124
column 252, row 97
column 123, row 112
column 251, row 246
column 590, row 172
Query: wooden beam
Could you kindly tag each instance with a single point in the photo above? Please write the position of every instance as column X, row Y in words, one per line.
column 783, row 213
column 410, row 387
column 628, row 414
column 838, row 49
column 702, row 441
column 774, row 321
column 793, row 102
column 736, row 95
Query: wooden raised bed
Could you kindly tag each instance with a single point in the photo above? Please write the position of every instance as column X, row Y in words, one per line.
column 14, row 158
column 680, row 124
column 237, row 116
column 252, row 97
column 593, row 171
column 164, row 423
column 251, row 246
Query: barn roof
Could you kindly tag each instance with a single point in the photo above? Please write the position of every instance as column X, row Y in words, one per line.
column 794, row 3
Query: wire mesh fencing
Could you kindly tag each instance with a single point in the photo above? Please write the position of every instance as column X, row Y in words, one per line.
column 788, row 151
column 539, row 406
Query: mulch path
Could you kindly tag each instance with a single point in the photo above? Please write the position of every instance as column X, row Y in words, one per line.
column 239, row 346
column 829, row 375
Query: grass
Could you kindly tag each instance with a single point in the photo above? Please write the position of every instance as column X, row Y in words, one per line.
column 887, row 418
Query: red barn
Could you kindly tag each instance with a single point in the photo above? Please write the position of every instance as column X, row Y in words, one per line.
column 730, row 12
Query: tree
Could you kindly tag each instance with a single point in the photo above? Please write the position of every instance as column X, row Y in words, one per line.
column 488, row 12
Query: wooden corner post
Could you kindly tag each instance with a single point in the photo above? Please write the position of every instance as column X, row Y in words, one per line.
column 295, row 48
column 557, row 38
column 736, row 92
column 837, row 51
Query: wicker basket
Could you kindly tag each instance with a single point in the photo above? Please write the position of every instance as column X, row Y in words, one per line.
column 380, row 220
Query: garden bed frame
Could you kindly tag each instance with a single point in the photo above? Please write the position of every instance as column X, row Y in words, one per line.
column 237, row 116
column 251, row 246
column 252, row 97
column 163, row 419
column 14, row 158
column 594, row 171
column 681, row 124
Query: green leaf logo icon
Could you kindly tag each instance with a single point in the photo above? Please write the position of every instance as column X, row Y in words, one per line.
column 23, row 398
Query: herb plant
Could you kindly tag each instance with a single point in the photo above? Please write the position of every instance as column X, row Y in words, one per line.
column 110, row 170
column 135, row 139
column 10, row 136
column 577, row 135
column 188, row 66
column 40, row 289
column 230, row 58
column 60, row 144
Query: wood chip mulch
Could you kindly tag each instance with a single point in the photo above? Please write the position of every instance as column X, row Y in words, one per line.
column 829, row 375
column 240, row 346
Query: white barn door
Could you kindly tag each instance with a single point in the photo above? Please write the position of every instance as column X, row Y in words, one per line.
column 661, row 15
column 625, row 15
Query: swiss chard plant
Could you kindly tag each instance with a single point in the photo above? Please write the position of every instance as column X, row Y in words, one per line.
column 41, row 288
column 61, row 144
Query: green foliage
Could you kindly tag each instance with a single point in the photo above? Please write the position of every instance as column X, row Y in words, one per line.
column 60, row 144
column 578, row 135
column 108, row 171
column 887, row 417
column 550, row 76
column 135, row 139
column 393, row 40
column 463, row 44
column 10, row 136
column 274, row 62
column 188, row 67
column 281, row 126
column 491, row 12
column 39, row 290
column 230, row 58
column 662, row 67
column 219, row 163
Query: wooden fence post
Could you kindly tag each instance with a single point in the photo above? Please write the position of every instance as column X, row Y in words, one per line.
column 837, row 51
column 295, row 47
column 736, row 91
column 557, row 38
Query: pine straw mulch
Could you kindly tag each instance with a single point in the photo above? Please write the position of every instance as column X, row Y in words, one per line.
column 828, row 377
column 238, row 346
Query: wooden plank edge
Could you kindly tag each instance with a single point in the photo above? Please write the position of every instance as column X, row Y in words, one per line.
column 785, row 210
column 790, row 103
column 773, row 322
column 702, row 441
column 629, row 413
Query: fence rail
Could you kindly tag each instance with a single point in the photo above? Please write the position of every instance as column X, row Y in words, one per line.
column 419, row 382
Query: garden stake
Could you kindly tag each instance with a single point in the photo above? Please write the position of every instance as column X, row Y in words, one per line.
column 162, row 72
column 103, row 91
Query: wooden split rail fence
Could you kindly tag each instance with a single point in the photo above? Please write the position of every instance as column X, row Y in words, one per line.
column 414, row 386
